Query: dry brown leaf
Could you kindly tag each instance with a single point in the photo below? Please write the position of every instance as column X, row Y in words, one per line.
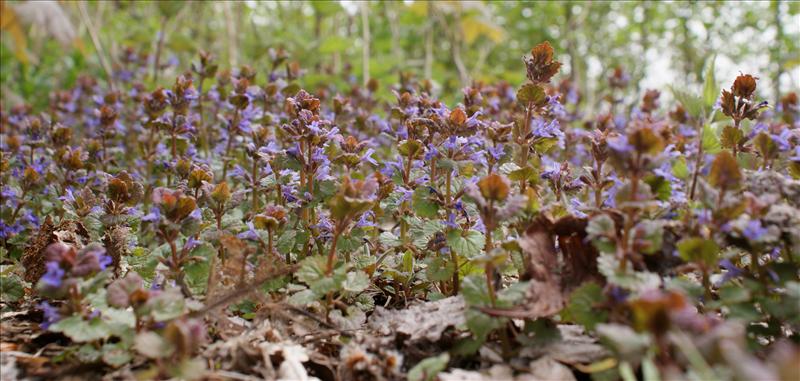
column 421, row 321
column 68, row 231
column 544, row 296
column 574, row 347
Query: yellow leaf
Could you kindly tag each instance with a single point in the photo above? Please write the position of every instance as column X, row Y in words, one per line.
column 473, row 27
column 9, row 22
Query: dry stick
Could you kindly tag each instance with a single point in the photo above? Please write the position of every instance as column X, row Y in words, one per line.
column 98, row 47
column 159, row 45
column 698, row 162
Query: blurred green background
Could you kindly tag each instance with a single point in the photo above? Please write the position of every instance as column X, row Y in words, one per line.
column 47, row 44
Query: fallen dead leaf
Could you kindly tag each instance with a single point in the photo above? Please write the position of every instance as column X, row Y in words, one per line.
column 544, row 296
column 421, row 321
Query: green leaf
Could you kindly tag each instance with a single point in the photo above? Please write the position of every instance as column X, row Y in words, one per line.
column 115, row 354
column 167, row 305
column 659, row 186
column 423, row 230
column 581, row 307
column 303, row 298
column 351, row 242
column 356, row 281
column 410, row 147
column 408, row 262
column 334, row 44
column 474, row 291
column 692, row 103
column 81, row 331
column 732, row 293
column 710, row 89
column 423, row 206
column 287, row 241
column 527, row 173
column 11, row 289
column 389, row 239
column 731, row 136
column 87, row 353
column 624, row 341
column 190, row 369
column 439, row 269
column 198, row 271
column 481, row 324
column 531, row 93
column 711, row 143
column 311, row 269
column 636, row 281
column 329, row 283
column 601, row 229
column 648, row 236
column 426, row 370
column 468, row 244
column 699, row 250
column 153, row 346
column 680, row 169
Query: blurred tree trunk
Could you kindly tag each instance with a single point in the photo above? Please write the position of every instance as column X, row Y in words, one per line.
column 230, row 27
column 776, row 50
column 366, row 41
column 429, row 43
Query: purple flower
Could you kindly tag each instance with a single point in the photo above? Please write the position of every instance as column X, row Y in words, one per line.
column 620, row 144
column 54, row 275
column 154, row 215
column 367, row 157
column 548, row 129
column 451, row 143
column 365, row 220
column 104, row 261
column 618, row 294
column 731, row 271
column 51, row 315
column 496, row 152
column 191, row 243
column 431, row 153
column 250, row 234
column 754, row 231
column 796, row 156
column 473, row 120
column 405, row 193
column 8, row 192
column 757, row 128
column 782, row 140
column 451, row 221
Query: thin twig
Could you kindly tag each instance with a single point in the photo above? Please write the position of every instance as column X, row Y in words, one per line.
column 98, row 47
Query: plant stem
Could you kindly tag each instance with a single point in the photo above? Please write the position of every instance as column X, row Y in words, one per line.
column 698, row 163
column 454, row 259
column 332, row 252
column 255, row 185
column 524, row 148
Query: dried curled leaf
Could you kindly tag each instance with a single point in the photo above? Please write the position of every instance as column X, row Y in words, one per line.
column 422, row 321
column 70, row 232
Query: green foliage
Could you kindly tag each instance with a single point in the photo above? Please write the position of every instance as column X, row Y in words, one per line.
column 699, row 250
column 11, row 288
column 582, row 306
column 467, row 243
column 80, row 330
column 427, row 369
